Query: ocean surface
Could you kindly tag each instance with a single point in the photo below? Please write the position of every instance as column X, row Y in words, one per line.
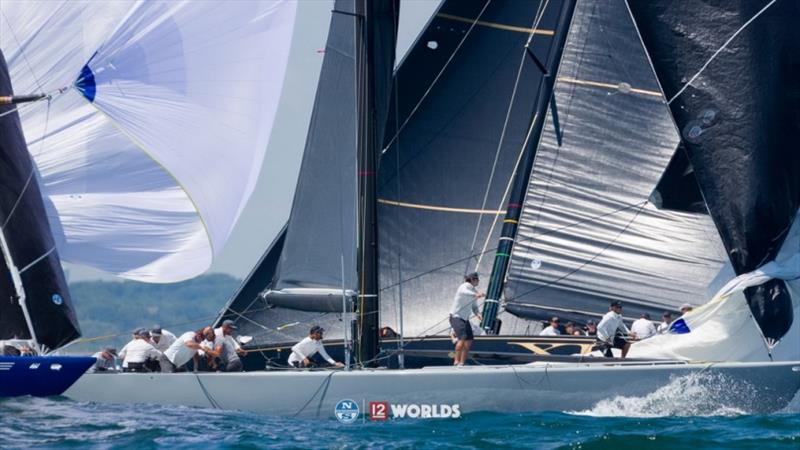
column 671, row 418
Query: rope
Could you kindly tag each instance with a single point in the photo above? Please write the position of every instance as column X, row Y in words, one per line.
column 211, row 400
column 694, row 77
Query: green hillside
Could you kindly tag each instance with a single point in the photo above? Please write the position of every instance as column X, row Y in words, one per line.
column 109, row 310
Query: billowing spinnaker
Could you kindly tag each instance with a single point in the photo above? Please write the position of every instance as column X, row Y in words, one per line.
column 149, row 158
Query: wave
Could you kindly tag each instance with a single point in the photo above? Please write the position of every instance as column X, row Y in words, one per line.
column 703, row 394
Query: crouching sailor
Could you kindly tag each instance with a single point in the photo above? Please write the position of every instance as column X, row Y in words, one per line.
column 136, row 352
column 608, row 328
column 308, row 347
column 183, row 350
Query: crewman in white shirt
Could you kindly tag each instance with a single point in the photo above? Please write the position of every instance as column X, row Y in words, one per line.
column 308, row 347
column 643, row 327
column 136, row 352
column 464, row 303
column 666, row 321
column 183, row 350
column 552, row 329
column 161, row 339
column 608, row 327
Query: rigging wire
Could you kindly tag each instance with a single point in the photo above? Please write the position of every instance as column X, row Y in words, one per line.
column 535, row 25
column 447, row 63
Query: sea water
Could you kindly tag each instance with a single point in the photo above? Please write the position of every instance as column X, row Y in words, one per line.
column 682, row 414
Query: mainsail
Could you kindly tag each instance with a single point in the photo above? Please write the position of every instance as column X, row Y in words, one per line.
column 464, row 97
column 731, row 74
column 150, row 154
column 34, row 299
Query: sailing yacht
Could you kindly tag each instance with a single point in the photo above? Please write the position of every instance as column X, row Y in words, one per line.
column 595, row 200
column 134, row 106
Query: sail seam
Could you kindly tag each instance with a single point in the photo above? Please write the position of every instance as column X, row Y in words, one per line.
column 499, row 26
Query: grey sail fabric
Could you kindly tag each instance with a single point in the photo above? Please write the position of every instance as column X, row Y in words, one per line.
column 588, row 234
column 31, row 245
column 462, row 105
column 734, row 83
column 321, row 236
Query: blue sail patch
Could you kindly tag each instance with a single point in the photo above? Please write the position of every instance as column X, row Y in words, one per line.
column 85, row 83
column 679, row 327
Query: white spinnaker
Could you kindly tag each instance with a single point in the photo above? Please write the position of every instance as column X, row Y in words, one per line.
column 148, row 180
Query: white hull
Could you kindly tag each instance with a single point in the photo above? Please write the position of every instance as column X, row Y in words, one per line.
column 752, row 387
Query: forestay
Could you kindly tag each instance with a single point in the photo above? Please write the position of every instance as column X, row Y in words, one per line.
column 149, row 157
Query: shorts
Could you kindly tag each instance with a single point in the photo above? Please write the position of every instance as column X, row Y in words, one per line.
column 461, row 328
column 606, row 347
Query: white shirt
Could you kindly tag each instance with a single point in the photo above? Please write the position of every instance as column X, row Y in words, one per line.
column 307, row 348
column 178, row 353
column 643, row 328
column 609, row 325
column 550, row 331
column 102, row 363
column 164, row 341
column 465, row 299
column 663, row 327
column 137, row 351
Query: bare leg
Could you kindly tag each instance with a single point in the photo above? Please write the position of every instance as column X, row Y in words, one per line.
column 465, row 351
column 459, row 350
column 625, row 349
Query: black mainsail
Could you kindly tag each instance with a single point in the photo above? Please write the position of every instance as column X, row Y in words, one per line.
column 34, row 299
column 730, row 71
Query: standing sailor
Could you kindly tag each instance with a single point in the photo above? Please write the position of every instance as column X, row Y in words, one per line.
column 643, row 327
column 666, row 321
column 609, row 326
column 465, row 301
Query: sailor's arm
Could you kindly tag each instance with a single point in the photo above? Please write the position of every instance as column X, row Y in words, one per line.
column 328, row 357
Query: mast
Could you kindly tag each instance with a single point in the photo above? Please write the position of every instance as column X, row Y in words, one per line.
column 375, row 42
column 520, row 186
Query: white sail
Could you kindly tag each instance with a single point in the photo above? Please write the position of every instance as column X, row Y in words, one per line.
column 149, row 158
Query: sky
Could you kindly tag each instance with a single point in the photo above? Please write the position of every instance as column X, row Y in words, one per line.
column 269, row 206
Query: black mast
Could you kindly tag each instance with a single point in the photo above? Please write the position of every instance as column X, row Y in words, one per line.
column 375, row 43
column 520, row 187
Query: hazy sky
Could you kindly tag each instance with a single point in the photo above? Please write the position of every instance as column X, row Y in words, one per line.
column 268, row 208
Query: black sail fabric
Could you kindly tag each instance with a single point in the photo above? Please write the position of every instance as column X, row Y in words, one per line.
column 32, row 248
column 588, row 234
column 463, row 99
column 731, row 71
column 321, row 236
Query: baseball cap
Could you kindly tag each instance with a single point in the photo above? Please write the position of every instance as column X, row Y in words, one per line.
column 471, row 276
column 111, row 350
column 316, row 329
column 155, row 331
column 230, row 323
column 616, row 303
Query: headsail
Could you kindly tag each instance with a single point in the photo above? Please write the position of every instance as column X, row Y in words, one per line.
column 39, row 298
column 148, row 161
column 588, row 233
column 731, row 73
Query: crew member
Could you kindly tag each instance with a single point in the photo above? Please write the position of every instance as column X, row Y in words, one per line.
column 609, row 326
column 643, row 327
column 136, row 352
column 161, row 339
column 666, row 321
column 183, row 350
column 308, row 347
column 552, row 329
column 465, row 301
column 105, row 360
column 230, row 348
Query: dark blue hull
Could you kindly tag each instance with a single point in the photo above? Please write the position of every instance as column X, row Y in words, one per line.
column 40, row 376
